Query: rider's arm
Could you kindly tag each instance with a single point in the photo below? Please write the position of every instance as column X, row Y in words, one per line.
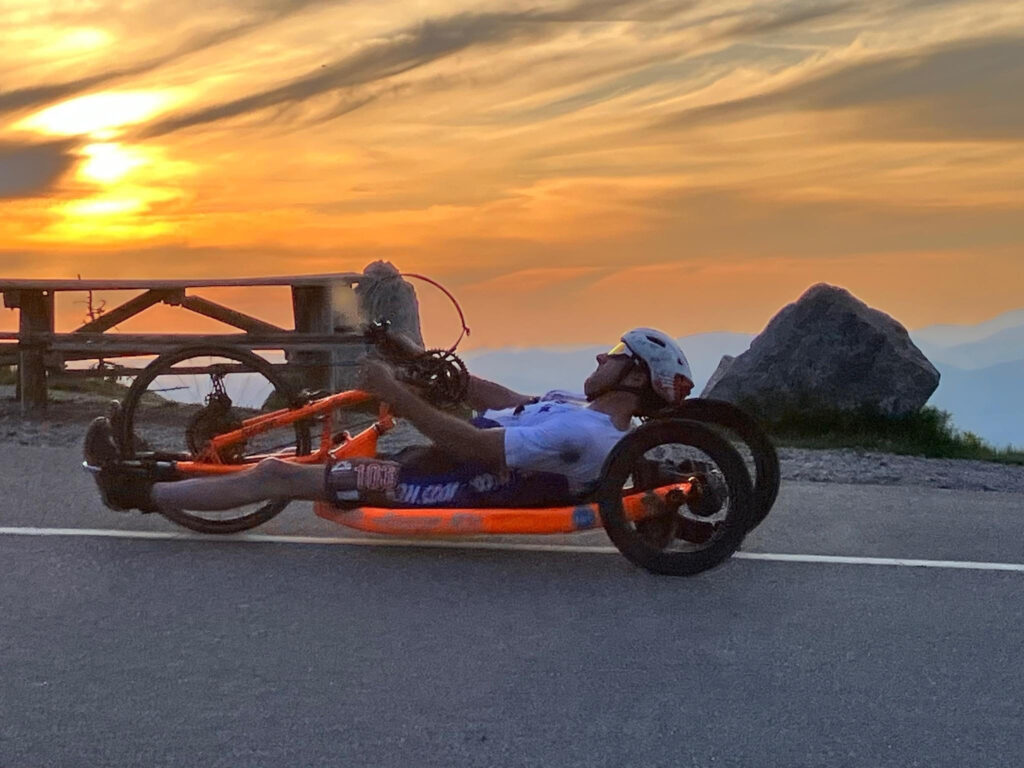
column 457, row 437
column 485, row 395
column 404, row 344
column 482, row 395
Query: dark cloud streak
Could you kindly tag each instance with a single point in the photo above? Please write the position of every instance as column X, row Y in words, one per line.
column 786, row 18
column 416, row 46
column 964, row 90
column 648, row 69
column 31, row 170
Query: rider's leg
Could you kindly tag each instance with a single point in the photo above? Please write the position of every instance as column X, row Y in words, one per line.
column 124, row 488
column 355, row 480
column 270, row 479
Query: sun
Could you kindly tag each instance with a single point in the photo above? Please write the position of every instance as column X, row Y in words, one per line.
column 108, row 162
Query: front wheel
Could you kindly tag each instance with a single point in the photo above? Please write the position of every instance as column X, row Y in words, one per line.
column 186, row 397
column 677, row 539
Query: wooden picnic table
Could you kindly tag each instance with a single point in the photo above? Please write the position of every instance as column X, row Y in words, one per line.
column 37, row 348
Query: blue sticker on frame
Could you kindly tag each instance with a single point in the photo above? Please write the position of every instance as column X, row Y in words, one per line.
column 583, row 517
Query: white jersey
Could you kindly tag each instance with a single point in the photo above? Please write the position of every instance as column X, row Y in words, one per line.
column 559, row 436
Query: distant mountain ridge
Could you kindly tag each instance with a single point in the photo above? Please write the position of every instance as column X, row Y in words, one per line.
column 1002, row 346
column 953, row 335
column 982, row 368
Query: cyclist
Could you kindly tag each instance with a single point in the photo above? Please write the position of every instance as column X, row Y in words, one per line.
column 521, row 451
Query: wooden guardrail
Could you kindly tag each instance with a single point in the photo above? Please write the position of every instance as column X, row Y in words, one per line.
column 38, row 351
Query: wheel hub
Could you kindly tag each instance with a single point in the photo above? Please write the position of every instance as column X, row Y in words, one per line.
column 708, row 494
column 213, row 419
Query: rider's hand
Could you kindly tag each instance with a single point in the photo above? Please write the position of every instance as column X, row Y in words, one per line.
column 404, row 344
column 377, row 378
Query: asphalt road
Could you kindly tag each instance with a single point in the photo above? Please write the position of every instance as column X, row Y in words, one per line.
column 124, row 652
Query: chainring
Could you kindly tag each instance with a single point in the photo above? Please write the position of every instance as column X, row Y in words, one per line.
column 440, row 376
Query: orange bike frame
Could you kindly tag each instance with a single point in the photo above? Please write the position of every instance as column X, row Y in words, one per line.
column 364, row 443
column 399, row 520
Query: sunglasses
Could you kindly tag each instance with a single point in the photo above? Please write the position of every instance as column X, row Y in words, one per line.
column 620, row 350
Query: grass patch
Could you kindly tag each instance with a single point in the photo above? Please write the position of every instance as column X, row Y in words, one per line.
column 928, row 432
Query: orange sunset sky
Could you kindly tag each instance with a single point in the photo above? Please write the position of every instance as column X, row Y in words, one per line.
column 567, row 169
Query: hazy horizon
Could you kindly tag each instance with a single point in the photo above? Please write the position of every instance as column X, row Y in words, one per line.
column 1017, row 315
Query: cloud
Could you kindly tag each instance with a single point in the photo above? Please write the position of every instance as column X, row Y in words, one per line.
column 540, row 279
column 780, row 19
column 40, row 95
column 597, row 81
column 960, row 91
column 181, row 259
column 708, row 225
column 405, row 50
column 415, row 47
column 37, row 96
column 31, row 170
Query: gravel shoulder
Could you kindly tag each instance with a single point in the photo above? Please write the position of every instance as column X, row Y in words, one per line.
column 870, row 468
column 69, row 413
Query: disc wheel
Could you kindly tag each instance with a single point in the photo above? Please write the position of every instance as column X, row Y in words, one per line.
column 756, row 447
column 672, row 540
column 186, row 397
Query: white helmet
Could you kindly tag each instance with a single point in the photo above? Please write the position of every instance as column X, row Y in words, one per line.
column 666, row 364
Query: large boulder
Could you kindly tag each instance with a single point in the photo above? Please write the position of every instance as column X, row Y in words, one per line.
column 831, row 350
column 723, row 366
column 380, row 294
column 383, row 294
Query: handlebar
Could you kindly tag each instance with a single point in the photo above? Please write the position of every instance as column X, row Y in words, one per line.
column 439, row 375
column 394, row 346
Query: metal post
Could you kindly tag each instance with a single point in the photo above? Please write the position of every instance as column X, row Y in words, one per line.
column 35, row 310
column 311, row 305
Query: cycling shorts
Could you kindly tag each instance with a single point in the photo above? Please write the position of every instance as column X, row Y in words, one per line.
column 429, row 477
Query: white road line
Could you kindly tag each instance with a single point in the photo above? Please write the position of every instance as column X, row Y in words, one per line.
column 898, row 561
column 259, row 538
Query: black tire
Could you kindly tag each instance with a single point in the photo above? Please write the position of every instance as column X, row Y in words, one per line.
column 283, row 393
column 639, row 548
column 767, row 473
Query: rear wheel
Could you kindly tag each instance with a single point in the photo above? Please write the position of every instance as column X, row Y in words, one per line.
column 755, row 446
column 186, row 397
column 682, row 535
